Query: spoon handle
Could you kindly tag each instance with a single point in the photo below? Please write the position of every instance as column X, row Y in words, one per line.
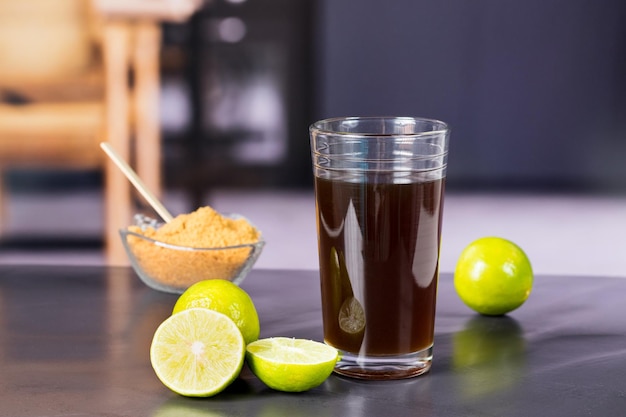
column 136, row 181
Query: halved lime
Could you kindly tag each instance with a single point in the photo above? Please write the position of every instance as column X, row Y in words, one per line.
column 352, row 316
column 197, row 352
column 291, row 365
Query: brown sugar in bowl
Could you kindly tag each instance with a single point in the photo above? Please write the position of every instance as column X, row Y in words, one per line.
column 192, row 247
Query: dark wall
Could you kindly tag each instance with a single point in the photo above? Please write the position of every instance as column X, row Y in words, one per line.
column 535, row 91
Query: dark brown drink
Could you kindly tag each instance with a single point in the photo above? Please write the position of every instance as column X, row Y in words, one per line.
column 379, row 257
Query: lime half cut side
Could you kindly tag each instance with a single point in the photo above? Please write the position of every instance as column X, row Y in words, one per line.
column 291, row 365
column 197, row 352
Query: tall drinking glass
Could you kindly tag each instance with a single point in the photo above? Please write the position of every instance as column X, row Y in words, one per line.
column 379, row 186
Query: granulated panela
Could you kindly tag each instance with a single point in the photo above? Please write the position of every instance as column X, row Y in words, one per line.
column 203, row 228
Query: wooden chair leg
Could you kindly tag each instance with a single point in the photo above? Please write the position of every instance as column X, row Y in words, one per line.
column 118, row 203
column 145, row 60
column 3, row 204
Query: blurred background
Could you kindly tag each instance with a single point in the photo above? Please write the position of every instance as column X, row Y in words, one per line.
column 535, row 93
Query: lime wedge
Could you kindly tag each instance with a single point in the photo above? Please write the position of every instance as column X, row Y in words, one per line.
column 352, row 316
column 197, row 352
column 291, row 365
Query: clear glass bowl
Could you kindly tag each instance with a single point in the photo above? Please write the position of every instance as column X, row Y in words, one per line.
column 171, row 268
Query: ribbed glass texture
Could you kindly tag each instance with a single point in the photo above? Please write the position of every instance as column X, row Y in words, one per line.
column 381, row 149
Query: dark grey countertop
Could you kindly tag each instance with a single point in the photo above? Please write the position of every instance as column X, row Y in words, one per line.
column 74, row 341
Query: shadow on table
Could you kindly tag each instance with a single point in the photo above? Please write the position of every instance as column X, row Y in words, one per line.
column 488, row 355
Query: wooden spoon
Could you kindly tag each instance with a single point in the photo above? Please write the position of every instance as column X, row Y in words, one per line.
column 136, row 181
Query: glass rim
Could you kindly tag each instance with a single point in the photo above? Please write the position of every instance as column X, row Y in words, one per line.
column 317, row 127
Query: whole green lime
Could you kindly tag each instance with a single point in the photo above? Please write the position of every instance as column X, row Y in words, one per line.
column 493, row 276
column 226, row 298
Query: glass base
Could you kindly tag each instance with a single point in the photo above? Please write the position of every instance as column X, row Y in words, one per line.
column 384, row 367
